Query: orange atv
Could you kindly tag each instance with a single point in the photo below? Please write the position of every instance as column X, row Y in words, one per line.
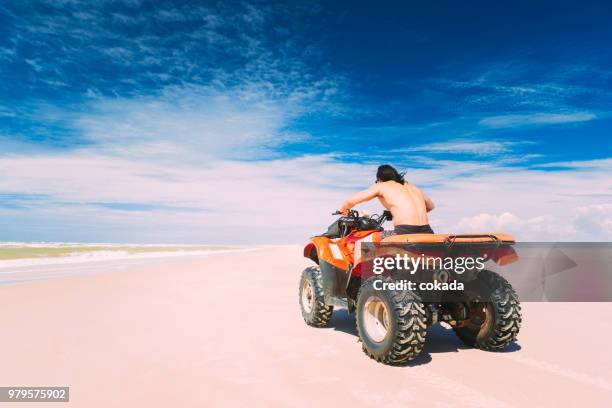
column 392, row 322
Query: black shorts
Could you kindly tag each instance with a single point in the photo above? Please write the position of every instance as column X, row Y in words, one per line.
column 412, row 229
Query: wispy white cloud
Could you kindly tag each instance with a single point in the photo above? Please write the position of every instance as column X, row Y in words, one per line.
column 224, row 197
column 143, row 48
column 594, row 220
column 538, row 205
column 465, row 146
column 183, row 122
column 198, row 123
column 578, row 164
column 518, row 84
column 284, row 199
column 535, row 119
column 585, row 223
column 544, row 226
column 181, row 158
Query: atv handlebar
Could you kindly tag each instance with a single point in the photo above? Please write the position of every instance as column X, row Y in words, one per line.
column 351, row 213
column 379, row 219
column 353, row 221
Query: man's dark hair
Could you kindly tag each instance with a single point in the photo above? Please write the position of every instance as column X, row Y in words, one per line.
column 387, row 172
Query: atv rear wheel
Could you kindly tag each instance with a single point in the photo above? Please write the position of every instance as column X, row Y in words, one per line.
column 391, row 324
column 312, row 301
column 494, row 313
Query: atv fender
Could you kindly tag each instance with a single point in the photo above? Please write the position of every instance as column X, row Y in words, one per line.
column 334, row 280
column 310, row 252
column 334, row 271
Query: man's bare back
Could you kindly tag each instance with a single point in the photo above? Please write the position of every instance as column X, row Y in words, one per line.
column 406, row 202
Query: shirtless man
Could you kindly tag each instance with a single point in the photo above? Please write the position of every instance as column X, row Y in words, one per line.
column 408, row 205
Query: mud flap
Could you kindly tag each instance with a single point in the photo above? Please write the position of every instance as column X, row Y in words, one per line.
column 334, row 282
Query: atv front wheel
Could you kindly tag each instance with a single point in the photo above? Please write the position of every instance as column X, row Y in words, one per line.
column 312, row 301
column 391, row 324
column 494, row 313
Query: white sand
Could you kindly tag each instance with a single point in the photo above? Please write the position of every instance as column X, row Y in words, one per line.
column 227, row 331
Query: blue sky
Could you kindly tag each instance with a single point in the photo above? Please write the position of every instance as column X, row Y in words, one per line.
column 162, row 121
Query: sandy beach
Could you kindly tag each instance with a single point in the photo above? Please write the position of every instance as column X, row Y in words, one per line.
column 226, row 330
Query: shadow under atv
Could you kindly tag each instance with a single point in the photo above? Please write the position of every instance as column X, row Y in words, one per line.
column 439, row 338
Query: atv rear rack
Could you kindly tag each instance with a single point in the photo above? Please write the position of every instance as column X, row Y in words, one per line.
column 452, row 239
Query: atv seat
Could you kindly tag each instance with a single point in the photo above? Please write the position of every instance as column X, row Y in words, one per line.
column 449, row 238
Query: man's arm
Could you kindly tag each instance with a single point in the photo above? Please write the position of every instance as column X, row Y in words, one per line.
column 360, row 197
column 429, row 205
